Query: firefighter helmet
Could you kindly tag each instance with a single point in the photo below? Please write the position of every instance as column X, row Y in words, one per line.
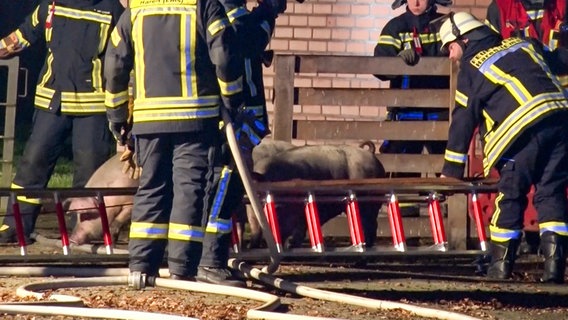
column 458, row 24
column 397, row 3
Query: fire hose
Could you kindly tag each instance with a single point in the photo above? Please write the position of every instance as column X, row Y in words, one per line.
column 67, row 305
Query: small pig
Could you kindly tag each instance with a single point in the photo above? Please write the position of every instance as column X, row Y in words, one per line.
column 317, row 162
column 119, row 208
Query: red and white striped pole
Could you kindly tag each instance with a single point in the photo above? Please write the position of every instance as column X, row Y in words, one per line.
column 478, row 217
column 395, row 220
column 107, row 237
column 272, row 218
column 354, row 222
column 61, row 223
column 437, row 222
column 313, row 222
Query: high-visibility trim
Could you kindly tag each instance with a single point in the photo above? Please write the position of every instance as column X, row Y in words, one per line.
column 511, row 83
column 222, row 189
column 455, row 157
column 217, row 26
column 145, row 3
column 25, row 199
column 35, row 17
column 517, row 121
column 558, row 227
column 237, row 13
column 188, row 38
column 497, row 211
column 219, row 226
column 461, row 99
column 257, row 110
column 96, row 75
column 503, row 235
column 77, row 14
column 175, row 114
column 232, row 87
column 104, row 31
column 72, row 102
column 115, row 100
column 184, row 232
column 138, row 41
column 48, row 71
column 21, row 39
column 115, row 38
column 248, row 74
column 266, row 27
column 389, row 40
column 48, row 34
column 148, row 230
column 151, row 103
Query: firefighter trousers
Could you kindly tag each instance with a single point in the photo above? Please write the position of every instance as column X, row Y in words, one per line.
column 540, row 157
column 91, row 145
column 171, row 201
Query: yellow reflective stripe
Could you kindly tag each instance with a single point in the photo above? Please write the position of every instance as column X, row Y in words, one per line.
column 138, row 41
column 146, row 3
column 503, row 235
column 184, row 232
column 188, row 36
column 153, row 103
column 25, row 199
column 512, row 84
column 232, row 87
column 114, row 100
column 97, row 75
column 35, row 17
column 461, row 99
column 517, row 121
column 219, row 226
column 455, row 157
column 48, row 70
column 21, row 40
column 147, row 230
column 48, row 33
column 497, row 211
column 83, row 15
column 175, row 114
column 217, row 26
column 389, row 40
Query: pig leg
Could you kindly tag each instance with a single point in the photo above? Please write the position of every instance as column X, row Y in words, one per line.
column 122, row 218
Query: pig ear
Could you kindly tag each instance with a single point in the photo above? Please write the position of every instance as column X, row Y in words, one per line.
column 66, row 203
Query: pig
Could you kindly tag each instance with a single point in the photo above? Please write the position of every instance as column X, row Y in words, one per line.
column 279, row 161
column 119, row 208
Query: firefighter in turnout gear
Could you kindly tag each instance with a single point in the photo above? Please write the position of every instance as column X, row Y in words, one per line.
column 409, row 36
column 186, row 69
column 507, row 90
column 69, row 97
column 254, row 30
column 544, row 20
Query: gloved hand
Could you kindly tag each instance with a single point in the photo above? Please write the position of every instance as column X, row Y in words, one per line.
column 130, row 165
column 275, row 6
column 120, row 131
column 409, row 56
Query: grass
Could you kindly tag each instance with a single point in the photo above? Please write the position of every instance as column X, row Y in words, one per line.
column 62, row 176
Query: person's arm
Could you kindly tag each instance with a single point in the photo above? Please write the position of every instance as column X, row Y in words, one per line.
column 224, row 53
column 388, row 45
column 28, row 33
column 493, row 19
column 119, row 61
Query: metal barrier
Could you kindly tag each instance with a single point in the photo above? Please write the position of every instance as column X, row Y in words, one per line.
column 9, row 111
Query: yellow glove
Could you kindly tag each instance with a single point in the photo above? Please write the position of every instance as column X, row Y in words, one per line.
column 130, row 166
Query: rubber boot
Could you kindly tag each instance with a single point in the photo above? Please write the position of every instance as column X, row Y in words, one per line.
column 553, row 247
column 503, row 256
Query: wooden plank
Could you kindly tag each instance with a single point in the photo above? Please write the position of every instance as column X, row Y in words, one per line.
column 365, row 130
column 419, row 163
column 371, row 65
column 373, row 97
column 283, row 97
column 457, row 222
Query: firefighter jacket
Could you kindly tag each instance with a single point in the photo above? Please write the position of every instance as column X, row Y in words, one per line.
column 186, row 66
column 75, row 33
column 504, row 87
column 405, row 32
column 545, row 22
column 254, row 30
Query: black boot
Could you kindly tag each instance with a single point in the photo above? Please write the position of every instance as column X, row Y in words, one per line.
column 553, row 247
column 503, row 256
column 222, row 276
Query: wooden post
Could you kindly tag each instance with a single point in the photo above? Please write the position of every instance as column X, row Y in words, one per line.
column 283, row 97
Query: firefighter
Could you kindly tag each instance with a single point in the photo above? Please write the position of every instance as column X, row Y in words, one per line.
column 254, row 29
column 186, row 68
column 409, row 37
column 506, row 88
column 69, row 99
column 543, row 20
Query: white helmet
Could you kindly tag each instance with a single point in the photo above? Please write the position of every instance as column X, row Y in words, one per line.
column 458, row 24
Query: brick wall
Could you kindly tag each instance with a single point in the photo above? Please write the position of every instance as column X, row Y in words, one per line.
column 339, row 27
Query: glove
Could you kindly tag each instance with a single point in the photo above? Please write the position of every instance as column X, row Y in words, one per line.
column 130, row 165
column 409, row 56
column 249, row 129
column 275, row 6
column 120, row 131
